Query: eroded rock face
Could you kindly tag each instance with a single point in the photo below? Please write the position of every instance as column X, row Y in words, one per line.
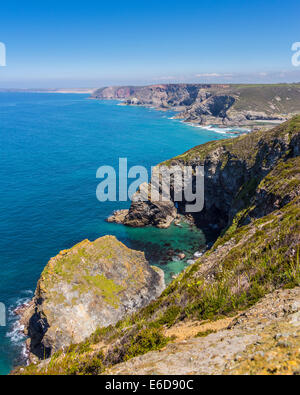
column 118, row 216
column 232, row 171
column 159, row 214
column 94, row 284
column 144, row 211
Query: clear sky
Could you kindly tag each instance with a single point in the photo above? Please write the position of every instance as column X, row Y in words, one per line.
column 94, row 43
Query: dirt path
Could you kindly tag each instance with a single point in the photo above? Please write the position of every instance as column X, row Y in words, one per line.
column 263, row 340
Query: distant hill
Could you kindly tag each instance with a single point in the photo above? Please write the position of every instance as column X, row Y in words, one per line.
column 236, row 309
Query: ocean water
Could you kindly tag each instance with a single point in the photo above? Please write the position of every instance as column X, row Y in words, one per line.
column 50, row 148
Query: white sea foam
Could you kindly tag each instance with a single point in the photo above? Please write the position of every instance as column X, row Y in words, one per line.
column 16, row 330
column 17, row 337
column 218, row 129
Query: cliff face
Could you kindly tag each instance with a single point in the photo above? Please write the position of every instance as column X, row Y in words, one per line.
column 206, row 104
column 114, row 92
column 162, row 96
column 232, row 171
column 145, row 212
column 94, row 284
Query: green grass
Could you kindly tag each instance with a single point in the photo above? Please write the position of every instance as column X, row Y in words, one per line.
column 104, row 287
column 243, row 148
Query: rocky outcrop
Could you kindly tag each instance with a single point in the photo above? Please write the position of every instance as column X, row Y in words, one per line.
column 159, row 214
column 216, row 111
column 118, row 216
column 232, row 170
column 213, row 104
column 209, row 111
column 92, row 285
column 144, row 211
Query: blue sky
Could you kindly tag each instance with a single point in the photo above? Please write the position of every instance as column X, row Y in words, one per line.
column 95, row 43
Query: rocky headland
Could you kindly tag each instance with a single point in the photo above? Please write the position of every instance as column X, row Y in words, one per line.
column 214, row 104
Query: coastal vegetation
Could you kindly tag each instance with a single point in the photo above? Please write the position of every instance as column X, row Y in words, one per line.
column 214, row 104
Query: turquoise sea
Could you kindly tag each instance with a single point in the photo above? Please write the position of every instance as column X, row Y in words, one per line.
column 50, row 148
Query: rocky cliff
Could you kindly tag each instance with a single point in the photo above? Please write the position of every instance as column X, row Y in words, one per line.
column 94, row 284
column 205, row 104
column 245, row 288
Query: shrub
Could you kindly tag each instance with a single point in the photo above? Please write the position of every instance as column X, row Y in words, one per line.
column 146, row 340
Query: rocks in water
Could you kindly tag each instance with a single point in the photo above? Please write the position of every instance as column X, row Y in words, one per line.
column 144, row 211
column 20, row 310
column 159, row 214
column 178, row 221
column 178, row 257
column 93, row 284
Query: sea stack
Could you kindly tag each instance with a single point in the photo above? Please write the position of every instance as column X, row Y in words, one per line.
column 92, row 285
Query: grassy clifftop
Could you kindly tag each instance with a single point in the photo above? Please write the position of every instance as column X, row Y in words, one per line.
column 281, row 98
column 257, row 253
